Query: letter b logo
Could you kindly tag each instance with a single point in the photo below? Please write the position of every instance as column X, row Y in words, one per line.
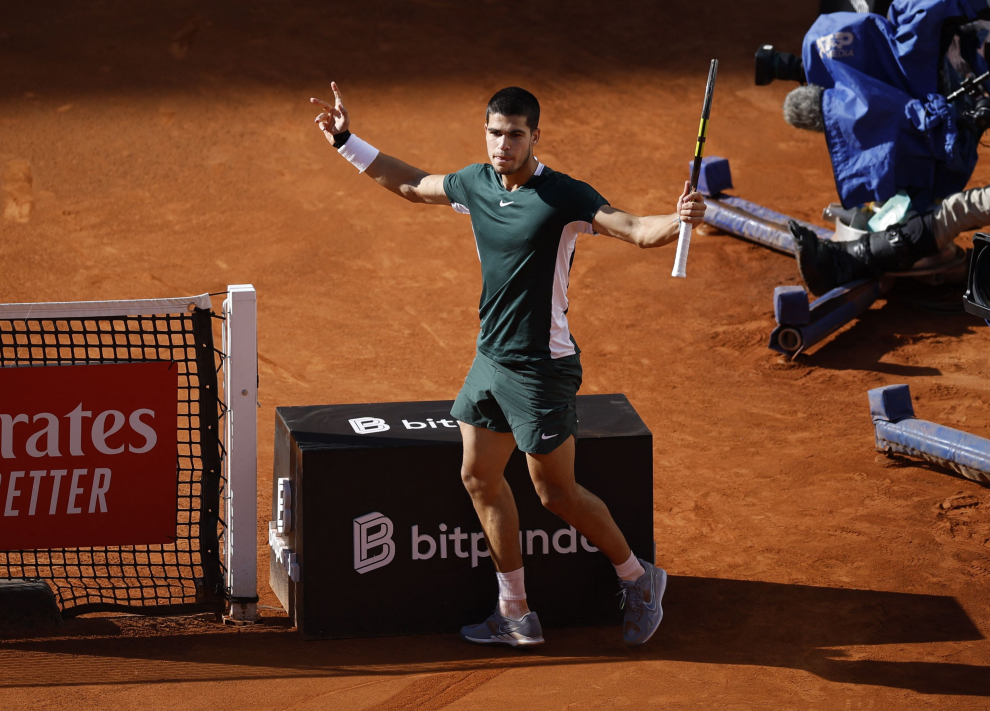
column 368, row 425
column 372, row 531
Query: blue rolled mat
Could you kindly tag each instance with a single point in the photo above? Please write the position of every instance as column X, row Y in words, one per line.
column 840, row 306
column 825, row 315
column 748, row 226
column 769, row 215
column 898, row 430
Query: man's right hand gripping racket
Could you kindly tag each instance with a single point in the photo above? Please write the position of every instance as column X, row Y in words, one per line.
column 684, row 238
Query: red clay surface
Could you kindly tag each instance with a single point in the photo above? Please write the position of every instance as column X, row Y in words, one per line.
column 169, row 150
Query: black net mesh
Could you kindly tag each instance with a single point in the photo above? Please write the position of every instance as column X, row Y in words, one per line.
column 182, row 577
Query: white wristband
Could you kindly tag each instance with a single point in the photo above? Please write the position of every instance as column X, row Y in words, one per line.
column 358, row 153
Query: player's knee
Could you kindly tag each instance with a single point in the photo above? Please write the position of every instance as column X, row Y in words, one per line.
column 556, row 499
column 470, row 481
column 477, row 484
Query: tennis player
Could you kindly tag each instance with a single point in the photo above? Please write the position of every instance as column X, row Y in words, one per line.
column 521, row 390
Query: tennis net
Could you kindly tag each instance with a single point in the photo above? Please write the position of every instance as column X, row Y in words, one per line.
column 179, row 577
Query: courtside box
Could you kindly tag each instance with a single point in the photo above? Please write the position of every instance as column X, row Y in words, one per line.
column 382, row 539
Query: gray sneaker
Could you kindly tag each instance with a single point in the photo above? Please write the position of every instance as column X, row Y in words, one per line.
column 641, row 601
column 499, row 629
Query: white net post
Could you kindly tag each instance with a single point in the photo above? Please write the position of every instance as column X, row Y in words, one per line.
column 241, row 440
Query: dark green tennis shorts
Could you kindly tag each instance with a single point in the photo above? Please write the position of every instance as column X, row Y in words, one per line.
column 536, row 401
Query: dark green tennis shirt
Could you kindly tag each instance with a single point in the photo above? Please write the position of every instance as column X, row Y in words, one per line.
column 525, row 241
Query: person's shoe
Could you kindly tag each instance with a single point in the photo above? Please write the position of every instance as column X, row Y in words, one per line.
column 499, row 629
column 825, row 265
column 641, row 601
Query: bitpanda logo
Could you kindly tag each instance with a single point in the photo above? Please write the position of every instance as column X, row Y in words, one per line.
column 372, row 532
column 368, row 425
column 836, row 45
column 375, row 545
column 371, row 425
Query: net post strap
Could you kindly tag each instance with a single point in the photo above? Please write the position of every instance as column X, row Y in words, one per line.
column 209, row 430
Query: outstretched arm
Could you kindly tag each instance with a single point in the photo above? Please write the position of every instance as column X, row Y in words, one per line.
column 652, row 230
column 391, row 173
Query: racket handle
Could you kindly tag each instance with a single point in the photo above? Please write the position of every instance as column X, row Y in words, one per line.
column 683, row 244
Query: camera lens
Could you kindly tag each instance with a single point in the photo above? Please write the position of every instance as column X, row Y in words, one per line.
column 976, row 300
column 765, row 59
column 771, row 64
column 981, row 278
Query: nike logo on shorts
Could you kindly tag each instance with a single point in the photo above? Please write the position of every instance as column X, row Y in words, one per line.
column 543, row 436
column 503, row 204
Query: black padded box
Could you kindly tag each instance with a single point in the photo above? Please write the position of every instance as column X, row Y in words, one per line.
column 386, row 539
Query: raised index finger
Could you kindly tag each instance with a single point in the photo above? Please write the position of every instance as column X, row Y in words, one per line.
column 318, row 102
column 336, row 93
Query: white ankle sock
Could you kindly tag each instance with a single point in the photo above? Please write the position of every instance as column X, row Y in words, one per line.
column 632, row 569
column 512, row 594
column 513, row 609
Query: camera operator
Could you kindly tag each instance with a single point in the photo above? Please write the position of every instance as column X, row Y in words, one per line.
column 826, row 264
column 877, row 88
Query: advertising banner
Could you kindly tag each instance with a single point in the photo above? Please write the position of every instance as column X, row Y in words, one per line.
column 88, row 455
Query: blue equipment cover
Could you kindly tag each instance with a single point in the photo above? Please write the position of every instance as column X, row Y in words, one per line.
column 897, row 430
column 756, row 223
column 743, row 223
column 808, row 324
column 714, row 177
column 765, row 213
column 790, row 306
column 887, row 122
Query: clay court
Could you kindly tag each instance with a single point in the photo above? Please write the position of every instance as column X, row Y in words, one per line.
column 157, row 151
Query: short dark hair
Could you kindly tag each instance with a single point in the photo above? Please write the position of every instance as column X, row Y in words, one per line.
column 513, row 101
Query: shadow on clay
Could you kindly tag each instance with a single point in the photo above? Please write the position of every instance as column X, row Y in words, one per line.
column 886, row 334
column 707, row 621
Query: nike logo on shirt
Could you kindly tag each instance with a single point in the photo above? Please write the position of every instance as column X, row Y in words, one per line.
column 543, row 436
column 503, row 204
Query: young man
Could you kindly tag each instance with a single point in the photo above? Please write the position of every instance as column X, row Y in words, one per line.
column 522, row 388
